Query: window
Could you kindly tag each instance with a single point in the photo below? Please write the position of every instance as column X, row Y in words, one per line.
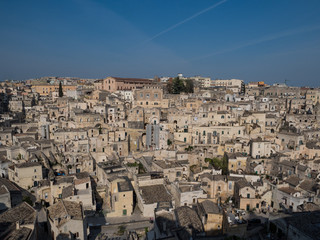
column 156, row 95
column 35, row 170
column 248, row 195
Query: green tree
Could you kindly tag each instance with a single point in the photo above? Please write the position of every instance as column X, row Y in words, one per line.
column 189, row 88
column 121, row 230
column 27, row 199
column 169, row 87
column 218, row 163
column 33, row 101
column 189, row 148
column 60, row 90
column 141, row 168
column 225, row 165
column 177, row 86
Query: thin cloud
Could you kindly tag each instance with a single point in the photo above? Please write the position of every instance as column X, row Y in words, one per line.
column 185, row 20
column 264, row 39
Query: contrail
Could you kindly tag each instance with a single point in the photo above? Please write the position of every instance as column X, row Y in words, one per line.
column 264, row 39
column 185, row 20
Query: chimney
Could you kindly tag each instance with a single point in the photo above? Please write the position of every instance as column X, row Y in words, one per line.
column 56, row 221
column 17, row 225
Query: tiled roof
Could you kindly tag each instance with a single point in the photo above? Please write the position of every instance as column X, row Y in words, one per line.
column 292, row 180
column 124, row 186
column 133, row 80
column 23, row 213
column 243, row 183
column 308, row 185
column 188, row 218
column 28, row 164
column 3, row 190
column 64, row 209
column 288, row 190
column 67, row 192
column 81, row 181
column 210, row 207
column 155, row 193
column 10, row 185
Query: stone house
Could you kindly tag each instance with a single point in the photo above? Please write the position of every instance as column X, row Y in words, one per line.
column 20, row 221
column 245, row 196
column 120, row 198
column 66, row 218
column 211, row 215
column 10, row 194
column 26, row 175
column 187, row 193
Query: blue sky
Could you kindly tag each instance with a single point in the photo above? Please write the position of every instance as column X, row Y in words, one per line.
column 253, row 40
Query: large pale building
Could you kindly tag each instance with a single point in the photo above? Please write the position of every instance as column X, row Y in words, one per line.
column 47, row 89
column 235, row 85
column 149, row 96
column 113, row 84
column 203, row 81
column 313, row 95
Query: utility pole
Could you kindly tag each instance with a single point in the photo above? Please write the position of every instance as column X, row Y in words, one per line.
column 285, row 81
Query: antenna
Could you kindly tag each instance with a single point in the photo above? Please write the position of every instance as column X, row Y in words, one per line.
column 285, row 81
